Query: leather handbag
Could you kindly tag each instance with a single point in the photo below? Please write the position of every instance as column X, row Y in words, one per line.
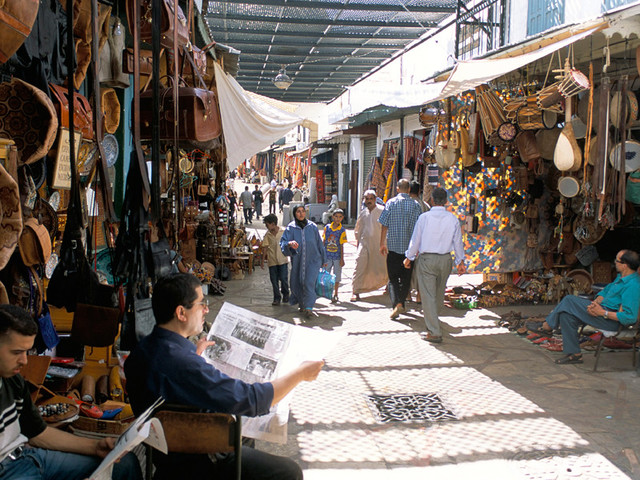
column 16, row 20
column 83, row 118
column 146, row 61
column 166, row 25
column 199, row 117
column 35, row 243
column 111, row 109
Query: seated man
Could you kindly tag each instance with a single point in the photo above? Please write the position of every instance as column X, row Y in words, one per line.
column 166, row 364
column 28, row 447
column 616, row 304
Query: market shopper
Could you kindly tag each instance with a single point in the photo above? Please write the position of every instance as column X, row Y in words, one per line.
column 398, row 219
column 277, row 262
column 414, row 192
column 246, row 199
column 437, row 233
column 616, row 304
column 233, row 205
column 301, row 241
column 286, row 195
column 29, row 449
column 273, row 193
column 335, row 236
column 257, row 201
column 166, row 364
column 371, row 267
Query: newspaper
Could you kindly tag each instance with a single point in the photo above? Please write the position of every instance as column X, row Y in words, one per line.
column 255, row 348
column 141, row 430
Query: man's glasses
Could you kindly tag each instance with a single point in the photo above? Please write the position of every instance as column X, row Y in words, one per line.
column 204, row 303
column 619, row 261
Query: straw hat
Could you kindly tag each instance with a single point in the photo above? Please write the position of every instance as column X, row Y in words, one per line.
column 10, row 216
column 28, row 117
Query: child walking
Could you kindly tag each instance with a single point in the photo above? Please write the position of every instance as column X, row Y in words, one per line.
column 335, row 236
column 277, row 261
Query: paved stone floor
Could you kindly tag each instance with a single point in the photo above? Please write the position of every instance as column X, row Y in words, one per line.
column 519, row 414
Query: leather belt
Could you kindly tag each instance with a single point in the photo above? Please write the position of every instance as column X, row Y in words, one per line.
column 14, row 454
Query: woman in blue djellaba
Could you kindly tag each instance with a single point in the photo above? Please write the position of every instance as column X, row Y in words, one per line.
column 302, row 242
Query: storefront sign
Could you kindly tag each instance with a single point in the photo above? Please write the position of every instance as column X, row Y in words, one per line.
column 62, row 169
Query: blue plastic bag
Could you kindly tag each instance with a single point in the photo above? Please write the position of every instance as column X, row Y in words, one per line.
column 325, row 283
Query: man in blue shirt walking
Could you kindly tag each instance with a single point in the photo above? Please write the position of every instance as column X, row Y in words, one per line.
column 398, row 219
column 166, row 364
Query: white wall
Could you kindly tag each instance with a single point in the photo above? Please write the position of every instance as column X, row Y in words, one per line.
column 389, row 130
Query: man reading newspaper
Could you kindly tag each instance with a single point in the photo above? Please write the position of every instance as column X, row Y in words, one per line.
column 166, row 364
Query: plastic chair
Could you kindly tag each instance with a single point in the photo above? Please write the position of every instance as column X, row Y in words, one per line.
column 196, row 433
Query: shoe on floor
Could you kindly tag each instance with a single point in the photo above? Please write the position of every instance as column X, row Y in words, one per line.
column 275, row 303
column 427, row 337
column 397, row 311
column 285, row 299
column 355, row 298
column 307, row 313
column 334, row 299
column 571, row 358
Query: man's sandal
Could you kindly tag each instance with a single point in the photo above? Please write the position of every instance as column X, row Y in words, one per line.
column 571, row 358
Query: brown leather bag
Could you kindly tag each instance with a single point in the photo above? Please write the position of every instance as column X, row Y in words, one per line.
column 16, row 20
column 146, row 62
column 166, row 26
column 199, row 118
column 527, row 146
column 83, row 118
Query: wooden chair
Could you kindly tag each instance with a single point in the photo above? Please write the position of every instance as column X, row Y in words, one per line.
column 199, row 433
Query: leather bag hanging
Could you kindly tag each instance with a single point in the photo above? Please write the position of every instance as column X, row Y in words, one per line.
column 199, row 118
column 167, row 25
column 83, row 115
column 16, row 21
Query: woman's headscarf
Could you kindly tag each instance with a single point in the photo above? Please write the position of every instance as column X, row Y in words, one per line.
column 300, row 223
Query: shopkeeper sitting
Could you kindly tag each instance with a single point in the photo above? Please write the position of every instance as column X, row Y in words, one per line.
column 616, row 304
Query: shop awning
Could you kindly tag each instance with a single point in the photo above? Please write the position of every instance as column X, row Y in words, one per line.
column 467, row 75
column 249, row 124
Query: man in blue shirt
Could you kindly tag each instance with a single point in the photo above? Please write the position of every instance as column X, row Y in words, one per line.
column 616, row 304
column 166, row 364
column 398, row 219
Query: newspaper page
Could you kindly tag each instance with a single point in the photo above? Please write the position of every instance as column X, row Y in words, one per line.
column 144, row 430
column 255, row 348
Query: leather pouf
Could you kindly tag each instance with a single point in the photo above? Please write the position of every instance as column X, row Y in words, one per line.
column 27, row 117
column 10, row 216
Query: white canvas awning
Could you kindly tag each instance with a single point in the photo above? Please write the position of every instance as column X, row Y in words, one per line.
column 248, row 123
column 467, row 75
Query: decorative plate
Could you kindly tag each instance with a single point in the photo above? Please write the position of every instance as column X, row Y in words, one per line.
column 50, row 266
column 111, row 149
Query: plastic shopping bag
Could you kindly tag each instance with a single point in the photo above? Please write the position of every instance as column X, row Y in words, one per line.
column 325, row 283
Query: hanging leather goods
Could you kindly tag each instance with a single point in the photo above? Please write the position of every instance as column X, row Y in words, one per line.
column 83, row 115
column 198, row 117
column 600, row 173
column 16, row 21
column 167, row 24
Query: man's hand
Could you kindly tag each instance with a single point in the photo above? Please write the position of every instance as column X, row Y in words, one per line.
column 596, row 309
column 461, row 268
column 384, row 250
column 203, row 344
column 311, row 369
column 293, row 244
column 342, row 262
column 104, row 446
column 407, row 263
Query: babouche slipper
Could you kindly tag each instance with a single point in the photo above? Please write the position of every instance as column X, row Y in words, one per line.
column 571, row 358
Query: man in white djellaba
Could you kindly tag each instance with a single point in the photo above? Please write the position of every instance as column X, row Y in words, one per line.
column 371, row 266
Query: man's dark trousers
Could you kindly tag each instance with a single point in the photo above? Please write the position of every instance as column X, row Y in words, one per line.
column 399, row 278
